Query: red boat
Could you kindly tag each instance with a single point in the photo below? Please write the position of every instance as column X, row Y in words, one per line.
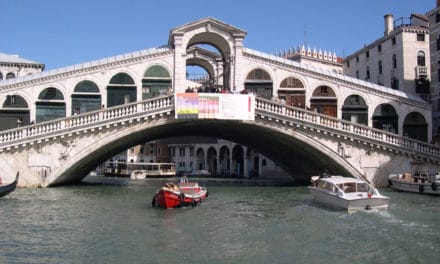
column 173, row 195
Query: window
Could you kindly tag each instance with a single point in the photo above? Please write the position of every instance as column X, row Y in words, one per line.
column 367, row 54
column 379, row 66
column 421, row 58
column 348, row 64
column 357, row 58
column 394, row 61
column 368, row 73
column 357, row 74
column 437, row 18
column 182, row 152
column 438, row 43
column 420, row 37
column 10, row 76
column 158, row 151
column 379, row 48
column 393, row 41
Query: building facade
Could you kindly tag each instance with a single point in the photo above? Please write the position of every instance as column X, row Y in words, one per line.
column 399, row 60
column 434, row 40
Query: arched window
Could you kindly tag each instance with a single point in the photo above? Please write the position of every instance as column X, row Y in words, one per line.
column 415, row 126
column 258, row 81
column 292, row 92
column 121, row 90
column 156, row 81
column 385, row 117
column 421, row 58
column 324, row 101
column 10, row 75
column 379, row 66
column 50, row 105
column 85, row 97
column 355, row 110
column 14, row 112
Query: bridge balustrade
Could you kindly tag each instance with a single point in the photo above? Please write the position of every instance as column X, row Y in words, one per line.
column 83, row 121
column 311, row 119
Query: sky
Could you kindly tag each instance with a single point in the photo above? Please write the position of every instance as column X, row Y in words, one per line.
column 60, row 33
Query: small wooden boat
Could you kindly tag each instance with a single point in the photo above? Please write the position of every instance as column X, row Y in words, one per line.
column 173, row 195
column 416, row 183
column 347, row 193
column 8, row 188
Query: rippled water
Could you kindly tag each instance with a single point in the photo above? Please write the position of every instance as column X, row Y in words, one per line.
column 116, row 224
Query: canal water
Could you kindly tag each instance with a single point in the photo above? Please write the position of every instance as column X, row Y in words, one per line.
column 236, row 224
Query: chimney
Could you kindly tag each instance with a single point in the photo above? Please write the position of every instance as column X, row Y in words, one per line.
column 389, row 23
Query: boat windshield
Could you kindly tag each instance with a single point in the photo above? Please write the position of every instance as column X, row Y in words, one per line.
column 349, row 187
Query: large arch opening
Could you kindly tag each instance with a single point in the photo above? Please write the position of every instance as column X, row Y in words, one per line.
column 211, row 160
column 156, row 82
column 415, row 126
column 324, row 101
column 293, row 92
column 121, row 90
column 355, row 110
column 85, row 97
column 259, row 82
column 385, row 117
column 14, row 112
column 212, row 53
column 50, row 105
column 295, row 156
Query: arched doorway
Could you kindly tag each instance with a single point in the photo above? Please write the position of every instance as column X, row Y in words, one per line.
column 121, row 90
column 415, row 126
column 253, row 163
column 385, row 117
column 224, row 161
column 324, row 101
column 50, row 105
column 14, row 112
column 355, row 110
column 237, row 161
column 156, row 82
column 211, row 161
column 200, row 162
column 85, row 97
column 259, row 82
column 292, row 91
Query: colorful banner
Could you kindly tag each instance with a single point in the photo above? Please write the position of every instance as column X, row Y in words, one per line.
column 214, row 106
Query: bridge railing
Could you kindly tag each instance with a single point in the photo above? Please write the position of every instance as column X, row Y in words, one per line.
column 301, row 116
column 83, row 121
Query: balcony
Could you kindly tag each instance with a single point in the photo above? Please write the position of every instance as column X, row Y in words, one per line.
column 421, row 72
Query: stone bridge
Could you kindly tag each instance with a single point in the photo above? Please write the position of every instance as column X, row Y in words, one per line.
column 302, row 142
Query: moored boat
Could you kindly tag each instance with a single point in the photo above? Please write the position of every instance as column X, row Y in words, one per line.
column 173, row 195
column 347, row 193
column 416, row 183
column 8, row 188
column 138, row 174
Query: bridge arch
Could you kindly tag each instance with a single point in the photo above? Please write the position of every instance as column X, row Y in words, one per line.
column 156, row 81
column 217, row 39
column 50, row 104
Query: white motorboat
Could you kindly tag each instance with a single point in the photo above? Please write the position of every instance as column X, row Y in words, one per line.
column 416, row 183
column 348, row 193
column 138, row 174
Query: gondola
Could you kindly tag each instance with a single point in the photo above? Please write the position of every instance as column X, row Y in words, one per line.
column 8, row 188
